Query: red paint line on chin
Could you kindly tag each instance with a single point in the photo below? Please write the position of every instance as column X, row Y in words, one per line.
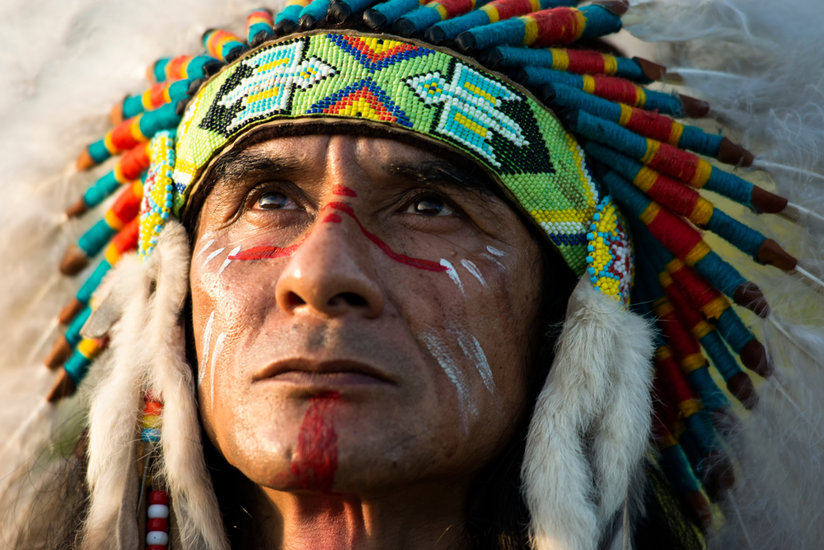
column 418, row 263
column 343, row 190
column 332, row 218
column 316, row 457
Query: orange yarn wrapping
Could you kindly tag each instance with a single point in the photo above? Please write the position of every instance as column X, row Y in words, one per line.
column 176, row 67
column 156, row 96
column 217, row 39
column 127, row 205
column 125, row 136
column 124, row 241
column 133, row 163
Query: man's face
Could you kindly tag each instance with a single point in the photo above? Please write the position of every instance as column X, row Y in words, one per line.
column 362, row 317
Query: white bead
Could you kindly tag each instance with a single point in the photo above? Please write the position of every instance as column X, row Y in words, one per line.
column 158, row 511
column 157, row 537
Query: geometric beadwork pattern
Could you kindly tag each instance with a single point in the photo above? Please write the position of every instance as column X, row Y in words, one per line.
column 403, row 86
column 609, row 252
column 471, row 110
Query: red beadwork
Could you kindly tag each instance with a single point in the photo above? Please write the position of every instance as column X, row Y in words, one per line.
column 157, row 524
column 159, row 497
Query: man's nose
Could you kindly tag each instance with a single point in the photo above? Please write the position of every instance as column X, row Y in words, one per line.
column 331, row 272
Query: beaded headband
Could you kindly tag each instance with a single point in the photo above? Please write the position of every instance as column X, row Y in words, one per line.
column 650, row 164
column 405, row 86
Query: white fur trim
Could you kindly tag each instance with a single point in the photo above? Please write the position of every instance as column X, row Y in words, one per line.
column 598, row 389
column 113, row 420
column 192, row 496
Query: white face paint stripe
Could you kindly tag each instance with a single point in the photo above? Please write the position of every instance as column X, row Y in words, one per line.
column 218, row 347
column 227, row 261
column 207, row 337
column 495, row 252
column 437, row 349
column 473, row 269
column 493, row 259
column 205, row 247
column 472, row 349
column 211, row 256
column 453, row 274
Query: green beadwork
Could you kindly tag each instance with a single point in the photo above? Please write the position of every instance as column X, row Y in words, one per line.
column 408, row 86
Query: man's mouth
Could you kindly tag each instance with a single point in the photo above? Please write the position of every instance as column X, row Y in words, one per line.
column 338, row 372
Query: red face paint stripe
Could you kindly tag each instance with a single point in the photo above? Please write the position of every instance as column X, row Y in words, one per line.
column 268, row 252
column 343, row 190
column 418, row 263
column 264, row 252
column 316, row 456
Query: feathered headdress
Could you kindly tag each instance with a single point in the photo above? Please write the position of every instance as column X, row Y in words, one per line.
column 700, row 209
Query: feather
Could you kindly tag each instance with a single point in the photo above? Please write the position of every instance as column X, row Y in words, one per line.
column 114, row 417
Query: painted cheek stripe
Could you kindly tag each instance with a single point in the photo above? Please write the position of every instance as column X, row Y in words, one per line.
column 265, row 252
column 316, row 457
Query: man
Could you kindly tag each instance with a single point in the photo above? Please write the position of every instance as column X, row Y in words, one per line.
column 384, row 235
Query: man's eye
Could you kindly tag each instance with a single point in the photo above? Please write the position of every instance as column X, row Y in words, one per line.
column 272, row 200
column 431, row 206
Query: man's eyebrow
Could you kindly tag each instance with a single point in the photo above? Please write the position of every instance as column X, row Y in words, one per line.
column 441, row 172
column 236, row 165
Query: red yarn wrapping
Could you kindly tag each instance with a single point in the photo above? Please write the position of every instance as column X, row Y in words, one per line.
column 672, row 379
column 558, row 26
column 124, row 241
column 676, row 163
column 511, row 8
column 686, row 311
column 675, row 196
column 683, row 342
column 664, row 404
column 674, row 233
column 586, row 62
column 617, row 89
column 122, row 137
column 651, row 125
column 176, row 67
column 134, row 162
column 456, row 7
column 127, row 205
column 699, row 291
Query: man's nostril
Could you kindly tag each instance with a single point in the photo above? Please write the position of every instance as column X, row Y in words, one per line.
column 351, row 299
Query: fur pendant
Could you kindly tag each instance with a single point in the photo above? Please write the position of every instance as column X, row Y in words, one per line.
column 591, row 423
column 149, row 354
